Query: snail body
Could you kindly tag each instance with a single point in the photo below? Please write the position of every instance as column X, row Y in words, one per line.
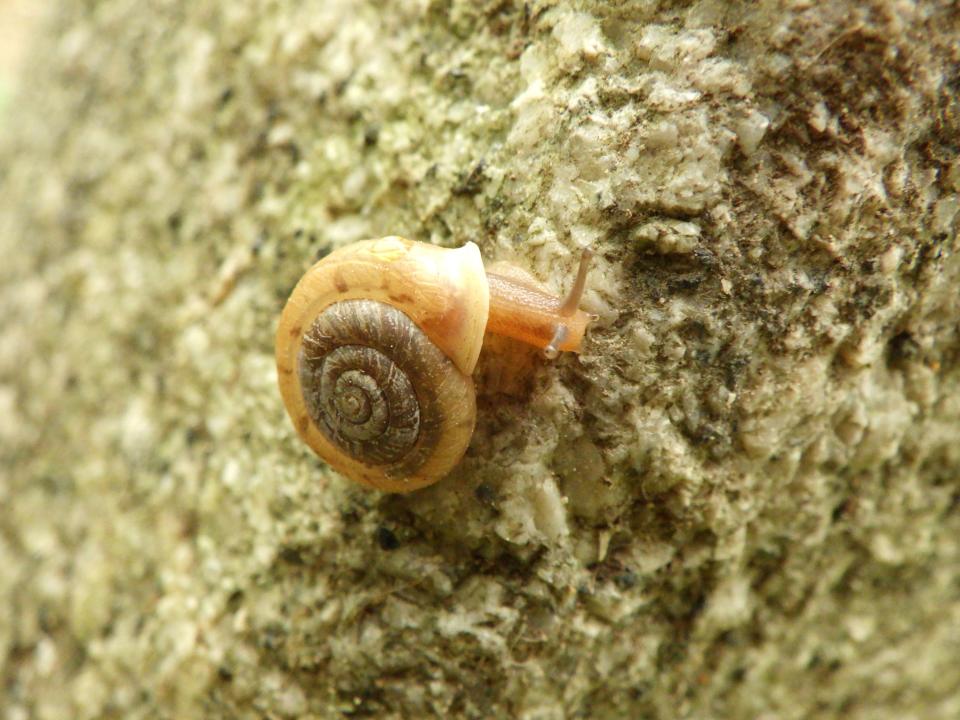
column 377, row 344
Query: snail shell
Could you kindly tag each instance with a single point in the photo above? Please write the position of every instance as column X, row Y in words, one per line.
column 375, row 349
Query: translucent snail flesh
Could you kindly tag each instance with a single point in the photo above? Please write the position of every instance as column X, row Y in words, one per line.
column 377, row 344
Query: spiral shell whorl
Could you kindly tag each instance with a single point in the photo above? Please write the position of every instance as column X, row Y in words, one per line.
column 369, row 379
column 364, row 404
column 423, row 307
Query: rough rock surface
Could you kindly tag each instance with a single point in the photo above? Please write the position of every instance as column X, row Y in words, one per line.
column 742, row 499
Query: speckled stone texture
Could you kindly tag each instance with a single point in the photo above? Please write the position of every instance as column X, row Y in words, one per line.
column 742, row 500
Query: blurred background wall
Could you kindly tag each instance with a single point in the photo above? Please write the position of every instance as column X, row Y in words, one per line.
column 18, row 20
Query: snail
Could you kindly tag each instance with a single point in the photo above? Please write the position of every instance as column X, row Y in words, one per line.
column 377, row 344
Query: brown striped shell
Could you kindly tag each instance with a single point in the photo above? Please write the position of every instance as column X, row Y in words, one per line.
column 375, row 350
